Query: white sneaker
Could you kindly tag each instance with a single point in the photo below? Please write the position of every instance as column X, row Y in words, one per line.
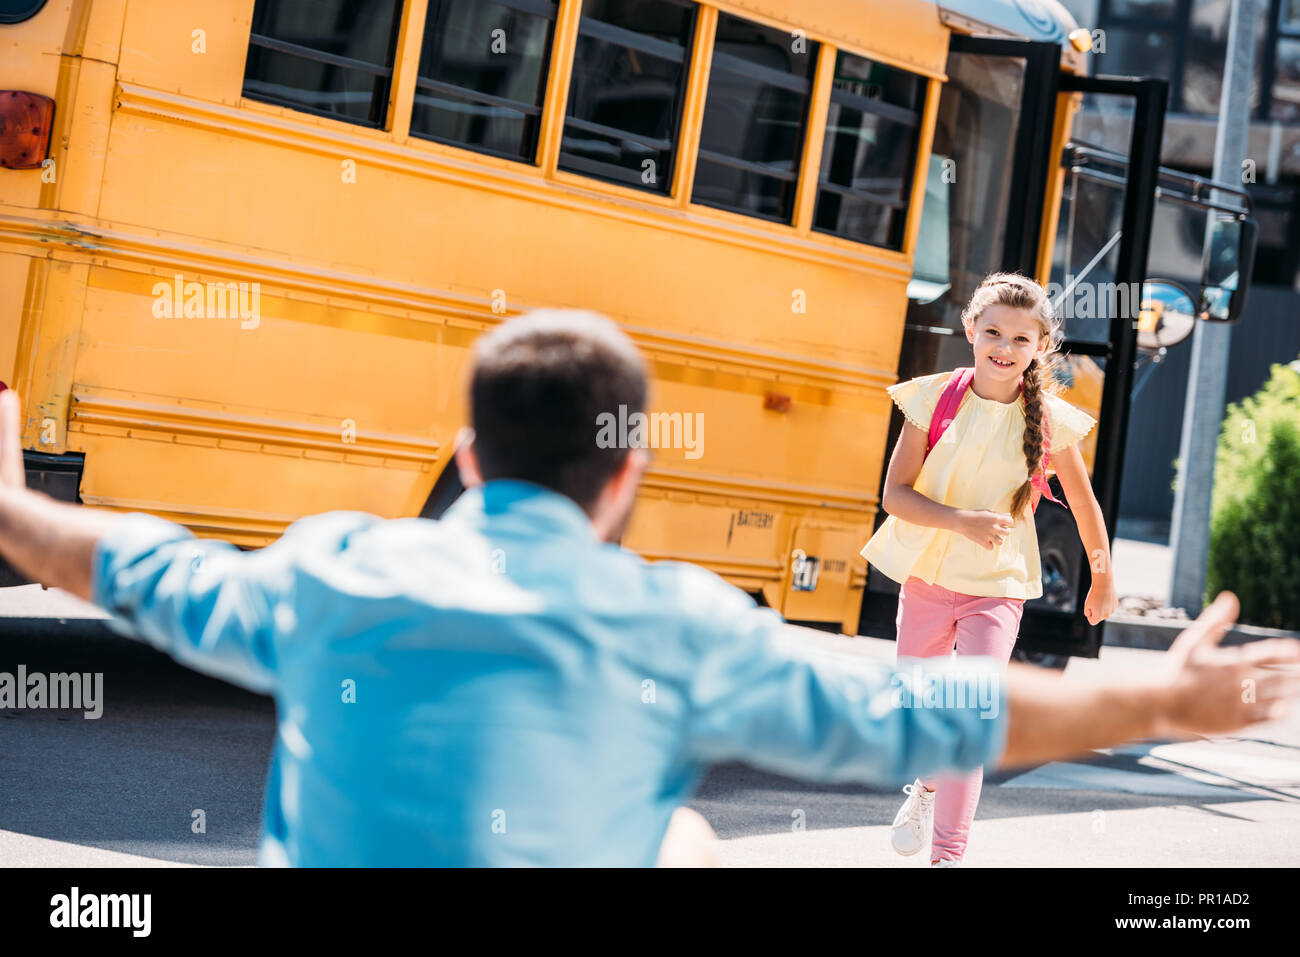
column 914, row 819
column 944, row 862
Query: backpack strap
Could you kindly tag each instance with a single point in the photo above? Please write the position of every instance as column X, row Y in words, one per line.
column 949, row 401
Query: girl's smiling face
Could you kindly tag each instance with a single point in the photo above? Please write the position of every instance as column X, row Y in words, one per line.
column 1006, row 340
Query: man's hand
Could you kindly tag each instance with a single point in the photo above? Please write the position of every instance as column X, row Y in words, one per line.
column 1212, row 689
column 47, row 541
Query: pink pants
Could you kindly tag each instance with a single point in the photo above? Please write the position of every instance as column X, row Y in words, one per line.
column 931, row 619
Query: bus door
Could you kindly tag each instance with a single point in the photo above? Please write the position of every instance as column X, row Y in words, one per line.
column 1099, row 262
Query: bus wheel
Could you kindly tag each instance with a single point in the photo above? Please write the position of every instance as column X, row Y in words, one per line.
column 1060, row 553
column 1058, row 586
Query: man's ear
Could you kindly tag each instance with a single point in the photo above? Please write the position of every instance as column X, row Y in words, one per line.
column 610, row 513
column 466, row 459
column 623, row 486
column 638, row 460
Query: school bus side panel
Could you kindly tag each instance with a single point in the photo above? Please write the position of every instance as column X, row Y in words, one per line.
column 374, row 259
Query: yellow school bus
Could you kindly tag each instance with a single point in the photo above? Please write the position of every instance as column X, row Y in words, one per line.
column 241, row 279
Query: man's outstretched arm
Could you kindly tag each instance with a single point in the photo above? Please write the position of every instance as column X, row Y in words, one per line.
column 205, row 603
column 47, row 541
column 838, row 717
column 1201, row 689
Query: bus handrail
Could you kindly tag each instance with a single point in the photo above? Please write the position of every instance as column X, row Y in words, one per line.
column 1075, row 157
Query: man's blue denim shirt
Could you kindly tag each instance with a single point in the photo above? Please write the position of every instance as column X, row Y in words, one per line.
column 500, row 687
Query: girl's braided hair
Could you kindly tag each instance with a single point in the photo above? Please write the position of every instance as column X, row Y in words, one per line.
column 1021, row 292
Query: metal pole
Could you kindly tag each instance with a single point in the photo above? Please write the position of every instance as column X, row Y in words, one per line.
column 1211, row 341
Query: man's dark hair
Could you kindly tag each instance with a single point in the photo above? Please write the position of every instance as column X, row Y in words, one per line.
column 539, row 387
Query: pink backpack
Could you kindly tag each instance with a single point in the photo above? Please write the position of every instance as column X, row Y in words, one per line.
column 946, row 411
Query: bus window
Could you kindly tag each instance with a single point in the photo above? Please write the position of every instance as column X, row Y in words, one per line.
column 483, row 75
column 931, row 276
column 760, row 86
column 979, row 113
column 872, row 131
column 331, row 57
column 625, row 99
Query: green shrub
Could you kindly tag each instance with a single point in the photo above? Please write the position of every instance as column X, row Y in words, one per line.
column 1255, row 518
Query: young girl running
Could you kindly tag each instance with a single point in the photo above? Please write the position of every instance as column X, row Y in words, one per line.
column 960, row 535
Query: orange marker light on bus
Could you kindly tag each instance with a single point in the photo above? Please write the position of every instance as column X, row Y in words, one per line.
column 25, row 123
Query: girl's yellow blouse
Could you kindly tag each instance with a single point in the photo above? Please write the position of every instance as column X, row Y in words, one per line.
column 978, row 463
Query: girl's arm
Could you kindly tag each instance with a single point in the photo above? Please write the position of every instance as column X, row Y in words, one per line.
column 900, row 499
column 1101, row 601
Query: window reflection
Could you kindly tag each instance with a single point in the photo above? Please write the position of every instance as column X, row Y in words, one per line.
column 760, row 86
column 872, row 131
column 625, row 98
column 332, row 57
column 978, row 116
column 482, row 74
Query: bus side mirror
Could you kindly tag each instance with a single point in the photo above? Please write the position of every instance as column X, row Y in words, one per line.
column 1225, row 272
column 1167, row 315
